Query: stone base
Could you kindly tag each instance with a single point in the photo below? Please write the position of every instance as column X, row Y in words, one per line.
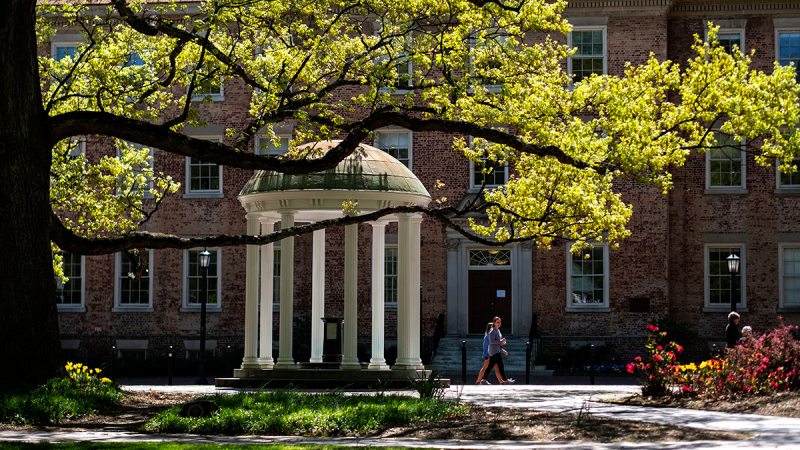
column 325, row 378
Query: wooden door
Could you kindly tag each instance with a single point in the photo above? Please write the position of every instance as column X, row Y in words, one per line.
column 489, row 296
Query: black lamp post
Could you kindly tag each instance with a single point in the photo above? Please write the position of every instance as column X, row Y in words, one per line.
column 733, row 269
column 204, row 259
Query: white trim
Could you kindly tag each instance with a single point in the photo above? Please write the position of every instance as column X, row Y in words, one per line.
column 81, row 307
column 185, row 306
column 118, row 307
column 781, row 295
column 742, row 303
column 602, row 28
column 210, row 193
column 605, row 306
column 213, row 97
column 68, row 41
column 138, row 147
column 783, row 28
column 741, row 188
column 388, row 304
column 398, row 130
column 787, row 188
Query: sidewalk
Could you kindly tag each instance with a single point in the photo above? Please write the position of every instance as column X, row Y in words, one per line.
column 768, row 432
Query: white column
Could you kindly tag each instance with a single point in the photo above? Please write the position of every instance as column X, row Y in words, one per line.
column 378, row 257
column 251, row 298
column 267, row 266
column 317, row 295
column 285, row 359
column 408, row 311
column 349, row 355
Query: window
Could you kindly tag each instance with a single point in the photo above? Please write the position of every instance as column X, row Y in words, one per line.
column 587, row 278
column 485, row 258
column 485, row 66
column 193, row 285
column 390, row 275
column 725, row 165
column 276, row 277
column 70, row 294
column 63, row 50
column 141, row 175
column 486, row 172
column 203, row 179
column 396, row 143
column 403, row 72
column 789, row 270
column 266, row 146
column 590, row 52
column 789, row 180
column 731, row 37
column 208, row 86
column 788, row 49
column 718, row 279
column 65, row 53
column 134, row 282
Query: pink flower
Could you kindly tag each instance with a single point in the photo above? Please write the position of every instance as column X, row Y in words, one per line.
column 686, row 388
column 657, row 357
column 652, row 328
column 638, row 359
column 678, row 348
column 659, row 348
column 630, row 368
column 765, row 360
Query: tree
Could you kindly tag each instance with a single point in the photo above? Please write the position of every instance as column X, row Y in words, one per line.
column 491, row 71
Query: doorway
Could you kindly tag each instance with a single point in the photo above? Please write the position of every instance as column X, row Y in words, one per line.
column 489, row 296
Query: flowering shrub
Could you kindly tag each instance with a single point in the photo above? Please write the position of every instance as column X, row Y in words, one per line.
column 83, row 375
column 657, row 368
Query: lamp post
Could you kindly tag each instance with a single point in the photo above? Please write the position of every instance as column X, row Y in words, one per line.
column 204, row 260
column 733, row 269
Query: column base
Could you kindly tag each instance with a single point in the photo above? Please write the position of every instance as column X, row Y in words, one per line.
column 408, row 364
column 265, row 363
column 377, row 364
column 250, row 363
column 315, row 360
column 286, row 363
column 350, row 364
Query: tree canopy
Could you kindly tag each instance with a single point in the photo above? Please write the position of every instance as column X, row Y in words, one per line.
column 491, row 72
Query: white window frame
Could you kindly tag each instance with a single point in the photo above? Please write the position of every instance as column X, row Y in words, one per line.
column 81, row 148
column 737, row 30
column 149, row 187
column 605, row 306
column 741, row 188
column 118, row 306
column 77, row 307
column 214, row 97
column 778, row 31
column 185, row 305
column 263, row 137
column 473, row 186
column 780, row 186
column 68, row 41
column 211, row 193
column 781, row 294
column 399, row 130
column 741, row 305
column 602, row 28
column 398, row 89
column 475, row 43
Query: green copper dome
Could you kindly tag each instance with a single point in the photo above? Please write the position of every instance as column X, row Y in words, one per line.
column 366, row 169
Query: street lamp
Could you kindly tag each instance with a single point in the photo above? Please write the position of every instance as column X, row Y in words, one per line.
column 204, row 259
column 733, row 269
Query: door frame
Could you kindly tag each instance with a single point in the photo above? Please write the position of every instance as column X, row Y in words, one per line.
column 458, row 267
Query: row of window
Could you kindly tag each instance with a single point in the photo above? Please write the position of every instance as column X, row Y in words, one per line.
column 587, row 275
column 134, row 282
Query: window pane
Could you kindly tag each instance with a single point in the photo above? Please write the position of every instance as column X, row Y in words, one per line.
column 390, row 275
column 195, row 278
column 203, row 176
column 719, row 281
column 789, row 49
column 396, row 144
column 69, row 293
column 588, row 276
column 134, row 279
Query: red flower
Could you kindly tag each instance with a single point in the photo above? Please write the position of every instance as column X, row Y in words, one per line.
column 659, row 348
column 657, row 357
column 652, row 328
column 686, row 388
column 638, row 359
column 678, row 348
column 630, row 368
column 765, row 360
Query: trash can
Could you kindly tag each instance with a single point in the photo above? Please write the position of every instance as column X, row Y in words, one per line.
column 332, row 343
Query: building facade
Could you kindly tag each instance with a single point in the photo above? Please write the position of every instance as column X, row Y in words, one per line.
column 671, row 270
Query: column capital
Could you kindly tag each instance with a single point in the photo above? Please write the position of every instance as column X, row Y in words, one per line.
column 266, row 220
column 379, row 223
column 411, row 217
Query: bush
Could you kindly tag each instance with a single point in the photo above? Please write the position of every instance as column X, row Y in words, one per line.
column 81, row 392
column 657, row 368
column 291, row 413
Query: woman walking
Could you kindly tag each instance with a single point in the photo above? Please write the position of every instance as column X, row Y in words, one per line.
column 482, row 372
column 496, row 351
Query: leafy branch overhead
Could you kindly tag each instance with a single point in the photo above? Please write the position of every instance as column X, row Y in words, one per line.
column 491, row 74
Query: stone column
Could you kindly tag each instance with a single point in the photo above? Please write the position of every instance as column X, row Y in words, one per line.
column 267, row 266
column 408, row 309
column 285, row 359
column 251, row 298
column 378, row 302
column 317, row 295
column 349, row 355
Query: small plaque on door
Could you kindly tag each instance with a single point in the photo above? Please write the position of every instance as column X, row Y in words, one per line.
column 501, row 293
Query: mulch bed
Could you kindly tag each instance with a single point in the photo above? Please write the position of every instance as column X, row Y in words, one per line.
column 784, row 404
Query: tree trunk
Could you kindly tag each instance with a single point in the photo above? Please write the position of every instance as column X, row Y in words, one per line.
column 28, row 318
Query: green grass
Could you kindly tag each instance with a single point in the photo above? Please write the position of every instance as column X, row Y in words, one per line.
column 56, row 401
column 292, row 413
column 162, row 446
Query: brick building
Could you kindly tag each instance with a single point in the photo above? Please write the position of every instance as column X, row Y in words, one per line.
column 672, row 268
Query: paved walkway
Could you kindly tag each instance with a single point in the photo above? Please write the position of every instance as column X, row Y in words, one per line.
column 767, row 432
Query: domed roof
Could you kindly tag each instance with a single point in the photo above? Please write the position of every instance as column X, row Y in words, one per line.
column 367, row 171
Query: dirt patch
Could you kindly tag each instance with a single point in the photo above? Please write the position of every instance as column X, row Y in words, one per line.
column 482, row 423
column 785, row 404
